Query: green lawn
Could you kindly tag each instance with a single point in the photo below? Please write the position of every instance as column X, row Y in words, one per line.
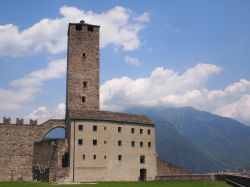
column 123, row 184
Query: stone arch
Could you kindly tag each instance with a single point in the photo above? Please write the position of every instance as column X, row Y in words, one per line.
column 49, row 126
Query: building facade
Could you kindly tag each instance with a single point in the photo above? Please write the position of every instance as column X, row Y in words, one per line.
column 103, row 145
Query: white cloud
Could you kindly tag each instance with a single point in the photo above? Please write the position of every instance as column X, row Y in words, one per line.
column 165, row 87
column 132, row 60
column 43, row 114
column 25, row 89
column 119, row 27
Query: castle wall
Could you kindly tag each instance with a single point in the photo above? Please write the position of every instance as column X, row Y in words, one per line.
column 16, row 148
column 165, row 168
column 48, row 160
column 106, row 166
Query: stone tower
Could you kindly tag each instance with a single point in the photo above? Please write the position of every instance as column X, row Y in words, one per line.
column 82, row 67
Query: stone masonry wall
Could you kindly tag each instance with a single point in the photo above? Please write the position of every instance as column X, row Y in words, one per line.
column 16, row 148
column 83, row 66
column 164, row 169
column 47, row 162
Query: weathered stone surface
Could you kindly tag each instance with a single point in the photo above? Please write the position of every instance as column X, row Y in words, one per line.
column 47, row 161
column 165, row 168
column 83, row 66
column 16, row 148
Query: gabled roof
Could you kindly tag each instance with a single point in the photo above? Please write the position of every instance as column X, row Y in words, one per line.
column 109, row 116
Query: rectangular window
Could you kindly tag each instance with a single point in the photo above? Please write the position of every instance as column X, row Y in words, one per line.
column 119, row 143
column 105, row 128
column 133, row 143
column 119, row 129
column 83, row 99
column 149, row 144
column 149, row 131
column 65, row 160
column 132, row 130
column 141, row 131
column 94, row 157
column 80, row 127
column 78, row 27
column 94, row 142
column 142, row 159
column 83, row 55
column 94, row 128
column 84, row 84
column 141, row 144
column 83, row 157
column 90, row 28
column 119, row 157
column 80, row 141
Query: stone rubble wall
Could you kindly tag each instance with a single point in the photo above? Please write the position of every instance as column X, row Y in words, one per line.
column 16, row 147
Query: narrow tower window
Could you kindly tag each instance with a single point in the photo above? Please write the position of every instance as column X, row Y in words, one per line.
column 119, row 129
column 78, row 27
column 119, row 143
column 84, row 84
column 141, row 131
column 83, row 99
column 94, row 128
column 119, row 157
column 142, row 159
column 90, row 28
column 149, row 131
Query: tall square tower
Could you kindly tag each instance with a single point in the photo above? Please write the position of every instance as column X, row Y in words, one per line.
column 83, row 67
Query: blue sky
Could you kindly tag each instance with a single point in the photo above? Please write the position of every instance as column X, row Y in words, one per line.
column 153, row 53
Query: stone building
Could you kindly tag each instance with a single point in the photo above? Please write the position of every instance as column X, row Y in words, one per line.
column 103, row 145
column 98, row 145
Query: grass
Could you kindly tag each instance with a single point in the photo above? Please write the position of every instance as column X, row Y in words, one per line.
column 123, row 184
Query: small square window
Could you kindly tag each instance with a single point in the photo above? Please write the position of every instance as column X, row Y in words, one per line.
column 83, row 99
column 142, row 159
column 80, row 127
column 78, row 27
column 141, row 131
column 90, row 28
column 149, row 144
column 105, row 142
column 80, row 141
column 149, row 131
column 94, row 142
column 83, row 157
column 105, row 156
column 83, row 55
column 133, row 143
column 105, row 128
column 119, row 157
column 119, row 143
column 119, row 129
column 94, row 128
column 84, row 83
column 132, row 130
column 141, row 144
column 94, row 157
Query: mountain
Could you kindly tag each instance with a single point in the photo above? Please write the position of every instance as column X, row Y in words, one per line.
column 199, row 141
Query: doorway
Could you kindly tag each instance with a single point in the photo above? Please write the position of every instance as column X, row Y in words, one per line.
column 143, row 175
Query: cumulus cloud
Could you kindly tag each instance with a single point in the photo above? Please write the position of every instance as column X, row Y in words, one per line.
column 24, row 89
column 42, row 113
column 119, row 27
column 166, row 87
column 132, row 60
